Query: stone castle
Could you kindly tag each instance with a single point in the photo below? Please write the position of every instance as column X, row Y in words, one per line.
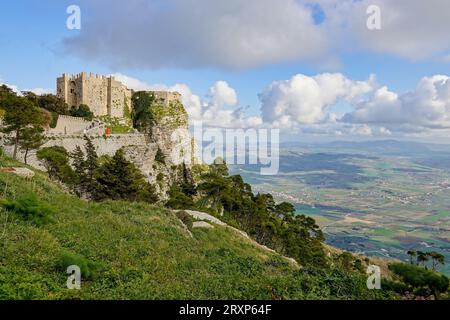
column 105, row 96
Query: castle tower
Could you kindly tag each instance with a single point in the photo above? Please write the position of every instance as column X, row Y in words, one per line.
column 103, row 95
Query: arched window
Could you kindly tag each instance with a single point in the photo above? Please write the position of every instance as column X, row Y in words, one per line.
column 73, row 86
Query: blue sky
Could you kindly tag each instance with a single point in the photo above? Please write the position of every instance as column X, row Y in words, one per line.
column 36, row 47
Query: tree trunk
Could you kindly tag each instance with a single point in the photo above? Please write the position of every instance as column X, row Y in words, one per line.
column 16, row 143
column 25, row 156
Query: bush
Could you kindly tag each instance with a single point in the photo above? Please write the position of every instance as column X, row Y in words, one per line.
column 88, row 268
column 82, row 111
column 420, row 279
column 186, row 218
column 29, row 208
column 179, row 200
column 160, row 157
column 398, row 287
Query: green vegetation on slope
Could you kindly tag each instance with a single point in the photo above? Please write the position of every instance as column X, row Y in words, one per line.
column 272, row 224
column 139, row 251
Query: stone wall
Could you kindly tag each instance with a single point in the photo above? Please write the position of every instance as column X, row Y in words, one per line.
column 69, row 125
column 138, row 148
column 103, row 145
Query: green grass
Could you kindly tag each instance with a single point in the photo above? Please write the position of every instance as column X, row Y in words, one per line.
column 383, row 232
column 139, row 251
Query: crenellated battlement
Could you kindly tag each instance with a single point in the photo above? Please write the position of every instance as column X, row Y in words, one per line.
column 85, row 75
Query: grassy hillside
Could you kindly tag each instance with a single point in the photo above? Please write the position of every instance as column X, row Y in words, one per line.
column 140, row 251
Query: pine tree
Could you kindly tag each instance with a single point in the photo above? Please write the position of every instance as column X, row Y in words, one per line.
column 437, row 259
column 422, row 258
column 32, row 138
column 21, row 115
column 78, row 161
column 187, row 185
column 411, row 254
column 79, row 164
column 91, row 166
column 119, row 179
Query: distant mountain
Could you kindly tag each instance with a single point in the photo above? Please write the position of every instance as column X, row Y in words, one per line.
column 382, row 147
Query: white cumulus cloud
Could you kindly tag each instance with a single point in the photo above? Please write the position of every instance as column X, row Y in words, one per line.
column 306, row 100
column 426, row 107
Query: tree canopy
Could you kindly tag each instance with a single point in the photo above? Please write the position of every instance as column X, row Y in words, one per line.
column 23, row 122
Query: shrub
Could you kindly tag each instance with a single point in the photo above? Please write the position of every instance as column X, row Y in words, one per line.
column 186, row 218
column 160, row 157
column 179, row 200
column 398, row 287
column 88, row 268
column 160, row 177
column 29, row 208
column 82, row 111
column 420, row 279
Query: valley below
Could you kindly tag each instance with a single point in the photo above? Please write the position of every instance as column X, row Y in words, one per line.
column 379, row 198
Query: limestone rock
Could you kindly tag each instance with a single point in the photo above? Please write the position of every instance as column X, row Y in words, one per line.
column 202, row 224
